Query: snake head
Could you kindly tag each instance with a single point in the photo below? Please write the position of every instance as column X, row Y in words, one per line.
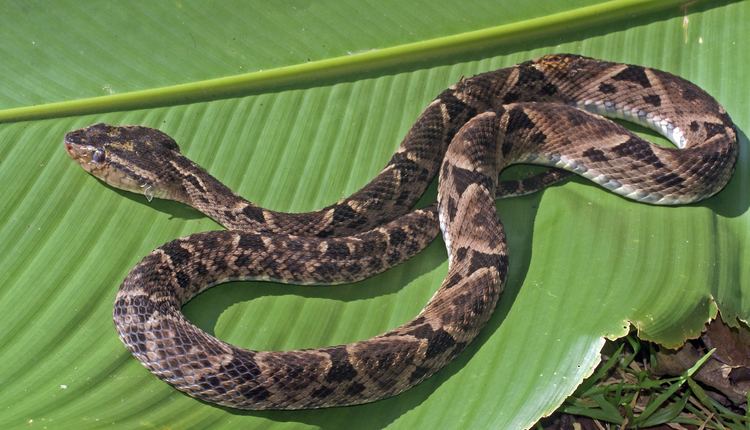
column 132, row 158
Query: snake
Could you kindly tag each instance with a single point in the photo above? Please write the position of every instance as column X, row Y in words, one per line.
column 548, row 111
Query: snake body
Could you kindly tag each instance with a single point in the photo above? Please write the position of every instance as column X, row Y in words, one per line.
column 534, row 112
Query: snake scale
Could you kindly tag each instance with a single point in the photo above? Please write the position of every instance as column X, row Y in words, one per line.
column 543, row 111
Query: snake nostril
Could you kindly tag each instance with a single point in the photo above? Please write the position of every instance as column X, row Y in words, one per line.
column 69, row 148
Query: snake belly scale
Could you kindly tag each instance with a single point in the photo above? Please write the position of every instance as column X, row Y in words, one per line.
column 534, row 112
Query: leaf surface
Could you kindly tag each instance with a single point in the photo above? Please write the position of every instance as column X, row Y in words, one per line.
column 295, row 105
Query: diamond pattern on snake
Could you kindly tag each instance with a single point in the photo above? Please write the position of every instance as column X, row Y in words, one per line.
column 546, row 111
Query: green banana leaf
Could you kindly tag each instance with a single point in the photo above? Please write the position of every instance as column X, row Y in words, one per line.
column 295, row 104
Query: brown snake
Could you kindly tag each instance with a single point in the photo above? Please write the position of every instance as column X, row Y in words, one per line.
column 529, row 113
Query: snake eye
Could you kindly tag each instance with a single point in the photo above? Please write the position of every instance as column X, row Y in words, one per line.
column 98, row 156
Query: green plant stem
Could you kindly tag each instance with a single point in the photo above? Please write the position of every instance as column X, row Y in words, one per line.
column 332, row 68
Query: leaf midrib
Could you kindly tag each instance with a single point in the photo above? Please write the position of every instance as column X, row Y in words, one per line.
column 337, row 68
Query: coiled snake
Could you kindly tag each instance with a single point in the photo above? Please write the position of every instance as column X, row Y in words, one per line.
column 533, row 112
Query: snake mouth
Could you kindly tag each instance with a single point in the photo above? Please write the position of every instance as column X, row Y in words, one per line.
column 76, row 152
column 81, row 154
column 97, row 160
column 69, row 148
column 91, row 159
